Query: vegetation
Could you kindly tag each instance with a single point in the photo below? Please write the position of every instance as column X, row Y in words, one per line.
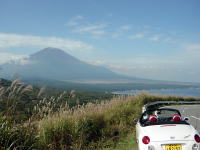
column 86, row 87
column 19, row 101
column 32, row 119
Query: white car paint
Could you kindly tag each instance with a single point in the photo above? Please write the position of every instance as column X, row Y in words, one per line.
column 161, row 135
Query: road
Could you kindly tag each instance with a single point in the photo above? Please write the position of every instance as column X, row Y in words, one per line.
column 190, row 111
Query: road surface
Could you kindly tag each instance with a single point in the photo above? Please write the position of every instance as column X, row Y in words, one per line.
column 190, row 111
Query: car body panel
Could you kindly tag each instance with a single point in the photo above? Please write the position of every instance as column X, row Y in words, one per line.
column 162, row 134
column 168, row 132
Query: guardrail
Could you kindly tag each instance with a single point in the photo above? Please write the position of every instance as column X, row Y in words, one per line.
column 196, row 123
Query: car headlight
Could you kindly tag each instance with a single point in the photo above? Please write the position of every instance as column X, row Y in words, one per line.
column 151, row 147
column 195, row 147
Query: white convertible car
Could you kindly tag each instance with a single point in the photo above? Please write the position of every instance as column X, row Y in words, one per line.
column 165, row 129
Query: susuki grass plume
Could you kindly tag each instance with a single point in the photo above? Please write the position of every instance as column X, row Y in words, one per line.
column 53, row 125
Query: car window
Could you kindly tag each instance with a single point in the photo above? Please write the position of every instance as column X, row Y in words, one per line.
column 165, row 113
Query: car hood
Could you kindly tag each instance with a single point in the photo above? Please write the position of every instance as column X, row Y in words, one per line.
column 169, row 132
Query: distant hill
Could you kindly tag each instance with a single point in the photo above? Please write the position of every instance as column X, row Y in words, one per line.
column 53, row 63
column 66, row 85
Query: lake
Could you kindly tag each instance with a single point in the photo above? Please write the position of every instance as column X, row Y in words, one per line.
column 194, row 92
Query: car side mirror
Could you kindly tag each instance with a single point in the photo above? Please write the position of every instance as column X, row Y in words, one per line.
column 186, row 119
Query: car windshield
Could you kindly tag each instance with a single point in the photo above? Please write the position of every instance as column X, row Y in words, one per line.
column 161, row 116
column 165, row 113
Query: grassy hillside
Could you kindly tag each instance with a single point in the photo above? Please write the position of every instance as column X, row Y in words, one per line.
column 19, row 101
column 57, row 126
column 96, row 126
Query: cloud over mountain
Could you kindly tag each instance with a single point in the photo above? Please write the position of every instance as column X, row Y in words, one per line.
column 18, row 40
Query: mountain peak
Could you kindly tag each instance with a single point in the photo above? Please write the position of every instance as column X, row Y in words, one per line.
column 50, row 50
column 51, row 53
column 54, row 63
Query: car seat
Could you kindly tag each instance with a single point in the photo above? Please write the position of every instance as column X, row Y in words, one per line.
column 176, row 117
column 152, row 118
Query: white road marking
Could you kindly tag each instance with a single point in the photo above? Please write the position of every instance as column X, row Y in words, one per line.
column 195, row 117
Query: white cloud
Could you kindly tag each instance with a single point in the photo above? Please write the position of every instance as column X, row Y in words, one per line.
column 90, row 28
column 125, row 27
column 120, row 31
column 192, row 53
column 179, row 66
column 146, row 26
column 6, row 57
column 93, row 29
column 97, row 63
column 193, row 47
column 137, row 36
column 155, row 37
column 24, row 61
column 74, row 21
column 116, row 35
column 167, row 39
column 98, row 32
column 18, row 40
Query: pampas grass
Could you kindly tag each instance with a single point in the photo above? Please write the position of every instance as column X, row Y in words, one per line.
column 56, row 126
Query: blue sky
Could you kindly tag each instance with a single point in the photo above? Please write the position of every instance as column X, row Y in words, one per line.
column 149, row 39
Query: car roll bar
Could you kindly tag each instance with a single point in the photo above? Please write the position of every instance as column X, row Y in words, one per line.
column 152, row 105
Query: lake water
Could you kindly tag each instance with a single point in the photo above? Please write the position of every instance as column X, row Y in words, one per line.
column 194, row 92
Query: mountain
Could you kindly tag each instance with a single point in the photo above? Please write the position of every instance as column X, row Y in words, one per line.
column 55, row 68
column 53, row 63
